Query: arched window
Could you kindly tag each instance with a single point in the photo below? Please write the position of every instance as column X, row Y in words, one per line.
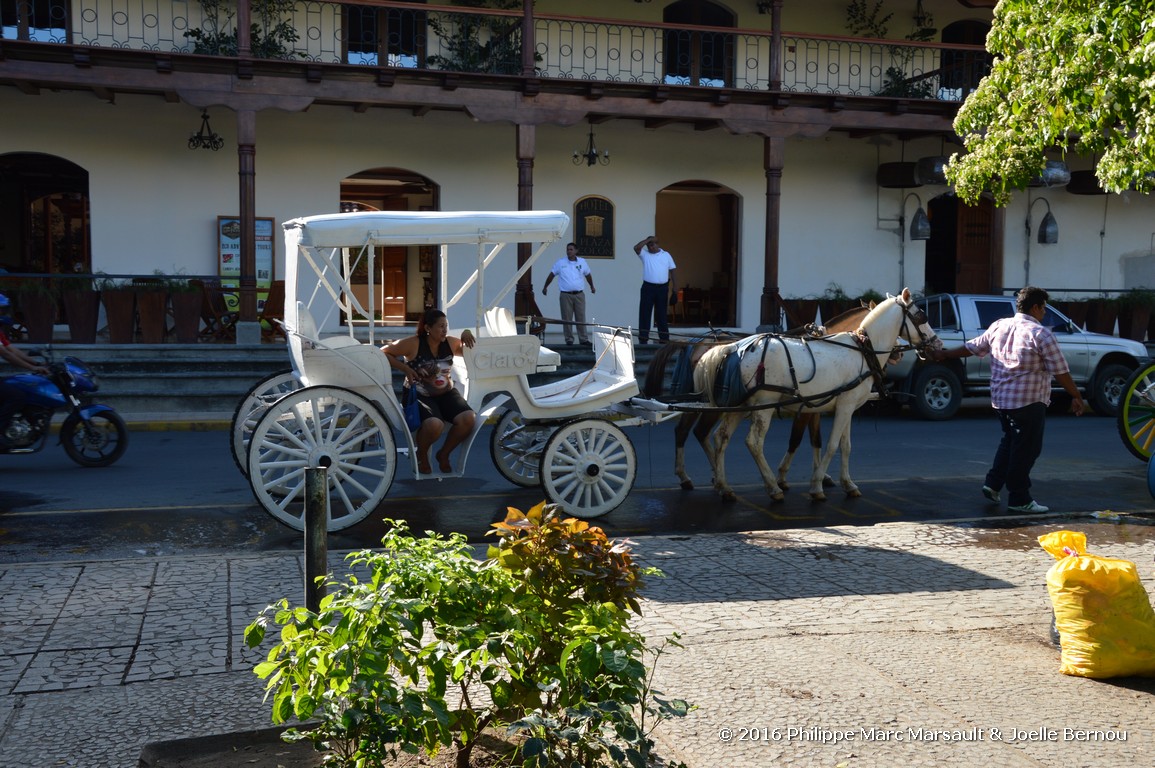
column 962, row 69
column 385, row 36
column 695, row 57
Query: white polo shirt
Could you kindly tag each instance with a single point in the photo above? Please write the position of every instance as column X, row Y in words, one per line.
column 571, row 274
column 656, row 266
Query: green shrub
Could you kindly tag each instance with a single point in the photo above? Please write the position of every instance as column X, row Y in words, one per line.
column 435, row 646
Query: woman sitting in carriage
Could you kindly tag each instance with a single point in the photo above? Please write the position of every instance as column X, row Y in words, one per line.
column 426, row 359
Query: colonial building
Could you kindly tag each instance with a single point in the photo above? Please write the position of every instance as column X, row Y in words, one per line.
column 778, row 148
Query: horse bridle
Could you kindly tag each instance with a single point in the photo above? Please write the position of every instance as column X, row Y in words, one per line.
column 917, row 317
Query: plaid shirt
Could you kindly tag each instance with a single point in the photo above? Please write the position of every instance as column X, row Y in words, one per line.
column 1024, row 357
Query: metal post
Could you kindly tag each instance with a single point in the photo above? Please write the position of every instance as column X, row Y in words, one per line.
column 316, row 541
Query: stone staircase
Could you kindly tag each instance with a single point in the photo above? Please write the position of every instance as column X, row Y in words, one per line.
column 208, row 380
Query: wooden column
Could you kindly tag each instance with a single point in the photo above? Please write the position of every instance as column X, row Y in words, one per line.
column 524, row 302
column 776, row 45
column 244, row 29
column 772, row 160
column 246, row 170
column 528, row 41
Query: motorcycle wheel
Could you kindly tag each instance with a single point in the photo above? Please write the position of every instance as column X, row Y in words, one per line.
column 98, row 443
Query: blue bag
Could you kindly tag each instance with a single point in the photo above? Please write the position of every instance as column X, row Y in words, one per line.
column 412, row 409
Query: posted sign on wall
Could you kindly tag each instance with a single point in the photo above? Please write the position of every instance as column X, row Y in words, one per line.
column 229, row 258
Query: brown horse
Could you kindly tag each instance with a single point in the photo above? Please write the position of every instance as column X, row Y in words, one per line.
column 702, row 423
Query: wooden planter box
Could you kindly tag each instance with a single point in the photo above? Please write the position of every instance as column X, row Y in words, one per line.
column 38, row 311
column 151, row 310
column 186, row 315
column 82, row 310
column 120, row 312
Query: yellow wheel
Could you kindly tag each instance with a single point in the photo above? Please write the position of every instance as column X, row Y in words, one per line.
column 1136, row 419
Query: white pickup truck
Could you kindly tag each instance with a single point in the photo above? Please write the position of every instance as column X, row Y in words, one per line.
column 1100, row 364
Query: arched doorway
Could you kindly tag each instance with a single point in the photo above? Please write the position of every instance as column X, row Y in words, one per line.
column 961, row 256
column 405, row 275
column 698, row 223
column 44, row 214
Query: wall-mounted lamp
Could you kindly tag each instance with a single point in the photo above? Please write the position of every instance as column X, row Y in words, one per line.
column 1048, row 227
column 590, row 156
column 1048, row 233
column 921, row 17
column 919, row 223
column 1055, row 174
column 205, row 138
column 763, row 6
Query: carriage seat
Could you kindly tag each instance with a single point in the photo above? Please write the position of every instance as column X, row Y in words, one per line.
column 502, row 364
column 499, row 322
column 337, row 361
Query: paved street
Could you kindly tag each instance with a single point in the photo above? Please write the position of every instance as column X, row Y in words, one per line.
column 811, row 638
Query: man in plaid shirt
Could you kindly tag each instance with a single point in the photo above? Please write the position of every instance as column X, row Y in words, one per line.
column 1024, row 357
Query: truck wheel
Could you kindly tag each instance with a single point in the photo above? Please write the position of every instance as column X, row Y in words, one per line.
column 937, row 393
column 1107, row 391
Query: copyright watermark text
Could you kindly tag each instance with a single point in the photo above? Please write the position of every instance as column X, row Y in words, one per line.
column 814, row 734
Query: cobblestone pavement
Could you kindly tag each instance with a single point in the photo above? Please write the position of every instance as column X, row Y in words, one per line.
column 898, row 644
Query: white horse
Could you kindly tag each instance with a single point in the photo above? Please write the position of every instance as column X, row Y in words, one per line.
column 834, row 373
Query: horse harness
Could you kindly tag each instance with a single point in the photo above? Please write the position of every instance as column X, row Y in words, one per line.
column 733, row 392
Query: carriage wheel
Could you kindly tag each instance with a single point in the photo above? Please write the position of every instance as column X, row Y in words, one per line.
column 250, row 409
column 588, row 467
column 322, row 427
column 516, row 448
column 1136, row 416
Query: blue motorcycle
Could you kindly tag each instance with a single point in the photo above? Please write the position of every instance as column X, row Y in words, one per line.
column 92, row 434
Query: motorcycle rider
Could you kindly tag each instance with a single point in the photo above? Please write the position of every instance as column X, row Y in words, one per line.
column 12, row 398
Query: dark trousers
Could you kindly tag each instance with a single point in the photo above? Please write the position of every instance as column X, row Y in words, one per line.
column 653, row 302
column 1017, row 452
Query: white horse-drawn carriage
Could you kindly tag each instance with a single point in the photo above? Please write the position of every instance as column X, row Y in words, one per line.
column 337, row 407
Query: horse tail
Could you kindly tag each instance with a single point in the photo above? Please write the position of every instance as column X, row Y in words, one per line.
column 707, row 369
column 653, row 385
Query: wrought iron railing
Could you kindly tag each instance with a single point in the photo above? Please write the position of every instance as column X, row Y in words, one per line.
column 431, row 37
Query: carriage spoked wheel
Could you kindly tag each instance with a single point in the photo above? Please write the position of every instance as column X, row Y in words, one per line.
column 250, row 409
column 327, row 427
column 588, row 467
column 516, row 447
column 1136, row 416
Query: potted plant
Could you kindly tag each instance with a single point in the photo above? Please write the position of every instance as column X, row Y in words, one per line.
column 184, row 297
column 119, row 300
column 834, row 302
column 81, row 308
column 1076, row 309
column 35, row 303
column 1135, row 308
column 1101, row 315
column 151, row 307
column 800, row 311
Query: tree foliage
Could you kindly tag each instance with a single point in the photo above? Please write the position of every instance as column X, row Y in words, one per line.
column 1077, row 75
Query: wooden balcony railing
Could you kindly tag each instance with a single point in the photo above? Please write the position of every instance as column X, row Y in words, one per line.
column 379, row 33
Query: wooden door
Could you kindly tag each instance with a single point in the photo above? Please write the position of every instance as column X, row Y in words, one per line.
column 974, row 247
column 392, row 263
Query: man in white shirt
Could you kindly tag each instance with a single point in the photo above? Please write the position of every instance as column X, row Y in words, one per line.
column 572, row 273
column 658, row 279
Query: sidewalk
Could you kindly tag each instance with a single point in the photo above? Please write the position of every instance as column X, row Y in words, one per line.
column 899, row 644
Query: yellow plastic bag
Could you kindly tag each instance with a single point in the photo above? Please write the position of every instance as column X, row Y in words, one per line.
column 1104, row 617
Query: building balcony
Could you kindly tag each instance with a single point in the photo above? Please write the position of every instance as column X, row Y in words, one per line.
column 414, row 39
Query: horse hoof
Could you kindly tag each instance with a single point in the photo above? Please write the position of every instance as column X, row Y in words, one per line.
column 729, row 496
column 778, row 497
column 854, row 493
column 827, row 482
column 818, row 497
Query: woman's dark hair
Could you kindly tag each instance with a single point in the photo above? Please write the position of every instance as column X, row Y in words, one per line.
column 430, row 317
